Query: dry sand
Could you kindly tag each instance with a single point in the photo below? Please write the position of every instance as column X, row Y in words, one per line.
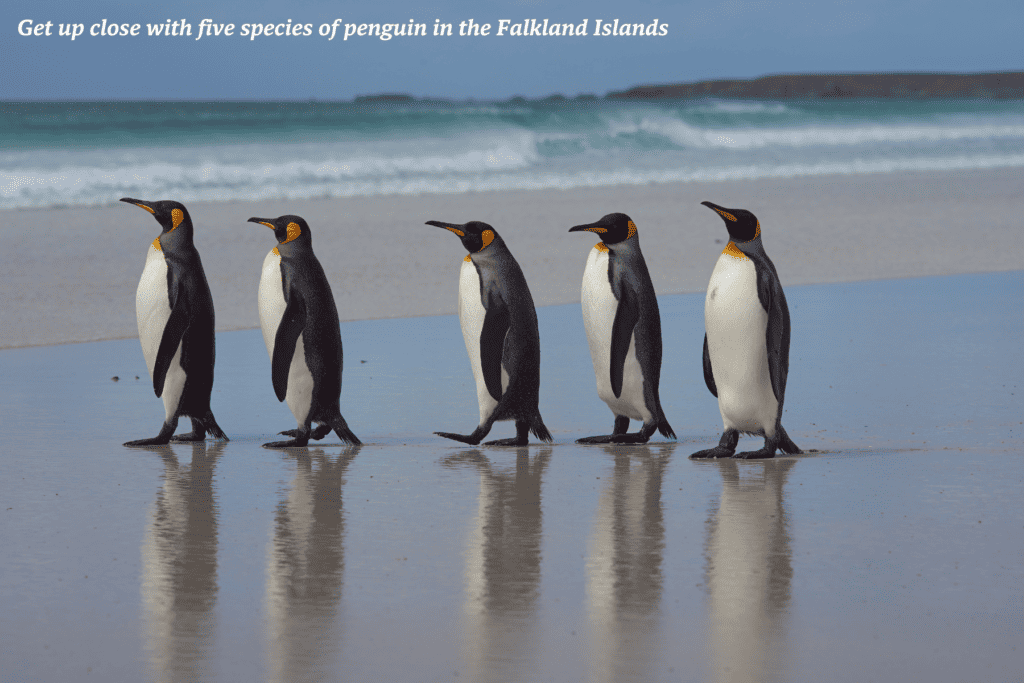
column 70, row 274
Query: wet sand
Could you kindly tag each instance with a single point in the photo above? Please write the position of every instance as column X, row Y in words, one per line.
column 893, row 554
column 70, row 274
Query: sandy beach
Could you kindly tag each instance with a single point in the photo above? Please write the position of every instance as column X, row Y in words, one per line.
column 890, row 553
column 70, row 274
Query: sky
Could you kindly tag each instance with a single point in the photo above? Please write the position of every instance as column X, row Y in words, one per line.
column 732, row 39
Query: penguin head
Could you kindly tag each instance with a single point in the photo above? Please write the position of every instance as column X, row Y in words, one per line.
column 743, row 226
column 613, row 228
column 292, row 232
column 475, row 235
column 172, row 216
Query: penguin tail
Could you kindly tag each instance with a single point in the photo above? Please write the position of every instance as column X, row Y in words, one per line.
column 539, row 430
column 340, row 428
column 210, row 423
column 786, row 444
column 665, row 428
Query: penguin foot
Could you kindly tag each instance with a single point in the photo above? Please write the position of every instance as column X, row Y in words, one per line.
column 299, row 442
column 511, row 441
column 638, row 437
column 199, row 435
column 522, row 437
column 716, row 452
column 155, row 441
column 164, row 437
column 725, row 448
column 607, row 438
column 762, row 454
column 472, row 439
column 319, row 432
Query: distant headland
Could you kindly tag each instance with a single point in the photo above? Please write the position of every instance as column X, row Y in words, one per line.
column 1004, row 85
column 1008, row 85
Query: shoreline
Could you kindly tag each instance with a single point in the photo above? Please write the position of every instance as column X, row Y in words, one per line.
column 72, row 272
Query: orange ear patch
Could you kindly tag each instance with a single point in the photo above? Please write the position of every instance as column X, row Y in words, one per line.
column 293, row 231
column 487, row 236
column 632, row 229
column 177, row 216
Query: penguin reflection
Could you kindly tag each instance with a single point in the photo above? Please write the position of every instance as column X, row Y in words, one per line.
column 305, row 561
column 502, row 574
column 624, row 575
column 749, row 572
column 179, row 566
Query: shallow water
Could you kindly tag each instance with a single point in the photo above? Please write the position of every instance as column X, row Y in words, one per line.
column 895, row 553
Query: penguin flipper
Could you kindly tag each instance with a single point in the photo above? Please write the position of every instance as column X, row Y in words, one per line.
column 492, row 344
column 626, row 316
column 777, row 332
column 709, row 376
column 174, row 330
column 292, row 322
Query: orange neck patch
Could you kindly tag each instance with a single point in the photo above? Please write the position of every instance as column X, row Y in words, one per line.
column 156, row 244
column 275, row 251
column 732, row 250
column 601, row 246
column 467, row 259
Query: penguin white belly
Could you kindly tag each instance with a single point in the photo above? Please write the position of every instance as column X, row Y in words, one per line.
column 152, row 311
column 299, row 392
column 736, row 322
column 471, row 318
column 271, row 299
column 599, row 308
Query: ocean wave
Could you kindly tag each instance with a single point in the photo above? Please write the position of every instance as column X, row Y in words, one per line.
column 339, row 150
column 266, row 183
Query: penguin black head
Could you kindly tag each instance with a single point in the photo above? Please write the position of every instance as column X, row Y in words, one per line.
column 169, row 214
column 291, row 232
column 475, row 235
column 613, row 228
column 743, row 226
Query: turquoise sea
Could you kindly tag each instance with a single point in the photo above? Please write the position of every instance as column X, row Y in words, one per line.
column 55, row 154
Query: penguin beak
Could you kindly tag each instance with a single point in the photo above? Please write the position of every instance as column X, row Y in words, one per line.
column 721, row 211
column 263, row 221
column 139, row 202
column 590, row 227
column 448, row 226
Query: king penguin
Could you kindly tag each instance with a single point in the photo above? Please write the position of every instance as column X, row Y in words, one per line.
column 620, row 313
column 302, row 334
column 746, row 341
column 499, row 326
column 175, row 315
